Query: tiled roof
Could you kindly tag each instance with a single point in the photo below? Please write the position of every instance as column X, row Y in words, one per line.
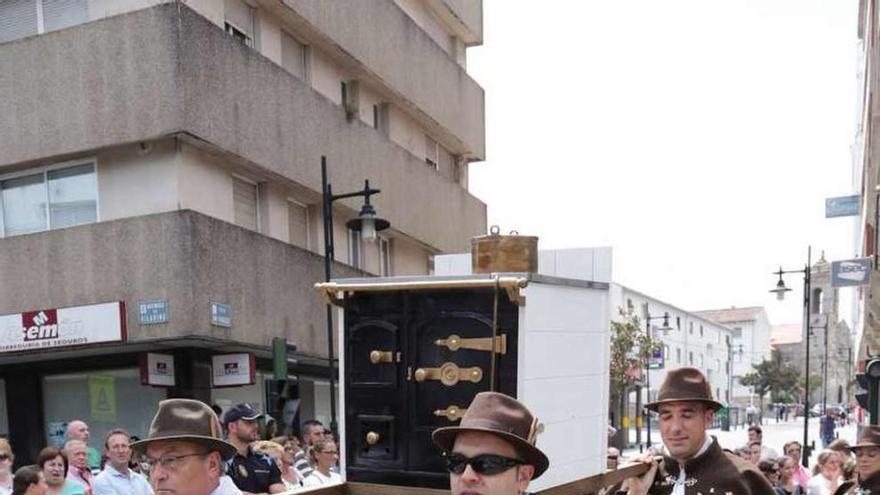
column 789, row 333
column 731, row 315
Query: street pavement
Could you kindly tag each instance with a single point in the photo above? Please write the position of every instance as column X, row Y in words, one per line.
column 775, row 435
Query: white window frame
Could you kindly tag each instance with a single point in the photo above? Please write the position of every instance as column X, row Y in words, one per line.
column 231, row 29
column 44, row 170
column 355, row 236
column 384, row 265
column 308, row 221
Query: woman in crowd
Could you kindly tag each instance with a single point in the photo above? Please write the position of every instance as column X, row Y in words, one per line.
column 53, row 462
column 29, row 480
column 828, row 474
column 324, row 456
column 276, row 452
column 288, row 473
column 867, row 475
column 6, row 459
column 770, row 470
column 786, row 484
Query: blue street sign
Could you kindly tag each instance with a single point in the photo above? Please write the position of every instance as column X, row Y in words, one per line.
column 153, row 312
column 221, row 315
column 843, row 206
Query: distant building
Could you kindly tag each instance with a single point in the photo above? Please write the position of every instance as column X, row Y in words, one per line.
column 750, row 342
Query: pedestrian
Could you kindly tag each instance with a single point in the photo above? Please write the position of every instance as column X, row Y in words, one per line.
column 274, row 450
column 754, row 452
column 79, row 430
column 251, row 471
column 185, row 451
column 695, row 462
column 826, row 428
column 787, row 484
column 827, row 474
column 847, row 459
column 756, row 434
column 312, row 431
column 28, row 480
column 492, row 451
column 770, row 470
column 117, row 478
column 801, row 474
column 53, row 463
column 324, row 456
column 6, row 460
column 78, row 463
column 867, row 474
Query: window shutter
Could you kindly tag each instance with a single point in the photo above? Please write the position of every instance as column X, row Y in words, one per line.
column 240, row 15
column 59, row 14
column 18, row 18
column 245, row 199
column 298, row 223
column 430, row 151
column 293, row 56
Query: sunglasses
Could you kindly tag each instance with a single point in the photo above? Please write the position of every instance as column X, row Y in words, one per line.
column 488, row 464
column 4, row 456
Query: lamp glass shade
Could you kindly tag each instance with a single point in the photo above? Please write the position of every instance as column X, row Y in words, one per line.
column 368, row 229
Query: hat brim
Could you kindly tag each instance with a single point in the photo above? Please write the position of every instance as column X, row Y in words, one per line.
column 653, row 406
column 445, row 438
column 862, row 446
column 225, row 449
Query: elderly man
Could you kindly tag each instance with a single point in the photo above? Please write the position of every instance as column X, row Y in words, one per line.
column 695, row 464
column 117, row 478
column 492, row 451
column 185, row 450
column 79, row 430
column 78, row 463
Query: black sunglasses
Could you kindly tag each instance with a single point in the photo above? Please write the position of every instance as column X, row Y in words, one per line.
column 488, row 464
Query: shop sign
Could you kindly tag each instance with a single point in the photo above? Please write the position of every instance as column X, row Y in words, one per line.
column 221, row 315
column 102, row 398
column 153, row 312
column 850, row 273
column 62, row 327
column 157, row 369
column 232, row 370
column 843, row 206
column 56, row 432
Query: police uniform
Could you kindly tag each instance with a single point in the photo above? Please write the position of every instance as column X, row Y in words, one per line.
column 254, row 472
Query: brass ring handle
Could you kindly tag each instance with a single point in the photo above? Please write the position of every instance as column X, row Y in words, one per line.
column 372, row 438
column 449, row 374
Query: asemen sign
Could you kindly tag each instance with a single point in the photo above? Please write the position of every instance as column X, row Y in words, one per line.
column 62, row 327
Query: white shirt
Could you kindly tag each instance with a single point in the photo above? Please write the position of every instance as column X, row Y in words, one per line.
column 820, row 485
column 226, row 487
column 110, row 482
column 318, row 479
column 678, row 488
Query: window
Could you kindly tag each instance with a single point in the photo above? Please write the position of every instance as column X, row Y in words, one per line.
column 375, row 116
column 20, row 18
column 678, row 355
column 691, row 327
column 678, row 322
column 355, row 248
column 691, row 358
column 384, row 257
column 246, row 201
column 50, row 199
column 298, row 224
column 737, row 333
column 816, row 301
column 701, row 331
column 239, row 21
column 294, row 56
column 629, row 304
column 431, row 152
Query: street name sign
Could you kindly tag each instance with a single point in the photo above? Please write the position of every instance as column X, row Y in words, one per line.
column 850, row 273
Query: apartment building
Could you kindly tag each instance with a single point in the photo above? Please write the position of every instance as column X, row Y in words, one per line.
column 160, row 190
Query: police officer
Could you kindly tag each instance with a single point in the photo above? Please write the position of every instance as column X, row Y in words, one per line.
column 252, row 472
column 492, row 451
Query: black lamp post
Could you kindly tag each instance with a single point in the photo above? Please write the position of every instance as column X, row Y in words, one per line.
column 664, row 328
column 368, row 224
column 780, row 291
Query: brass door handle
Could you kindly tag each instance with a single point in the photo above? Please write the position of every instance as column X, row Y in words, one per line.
column 449, row 374
column 454, row 343
column 372, row 438
column 377, row 357
column 452, row 413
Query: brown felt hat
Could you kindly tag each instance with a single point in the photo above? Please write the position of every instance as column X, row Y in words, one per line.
column 868, row 437
column 504, row 417
column 684, row 384
column 186, row 420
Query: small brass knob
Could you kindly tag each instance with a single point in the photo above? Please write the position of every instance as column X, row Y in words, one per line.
column 372, row 438
column 421, row 374
column 375, row 357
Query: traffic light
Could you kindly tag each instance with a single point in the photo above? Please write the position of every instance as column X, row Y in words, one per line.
column 280, row 350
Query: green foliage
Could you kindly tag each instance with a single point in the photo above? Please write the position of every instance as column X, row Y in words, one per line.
column 631, row 347
column 772, row 376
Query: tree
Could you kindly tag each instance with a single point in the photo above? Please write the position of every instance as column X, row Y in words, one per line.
column 631, row 348
column 771, row 375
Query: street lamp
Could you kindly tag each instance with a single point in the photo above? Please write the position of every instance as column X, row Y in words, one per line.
column 780, row 291
column 665, row 328
column 368, row 224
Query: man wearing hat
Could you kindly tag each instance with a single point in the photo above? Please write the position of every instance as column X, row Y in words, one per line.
column 184, row 449
column 696, row 463
column 251, row 471
column 492, row 451
column 867, row 451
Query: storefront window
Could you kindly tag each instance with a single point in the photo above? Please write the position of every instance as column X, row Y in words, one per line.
column 4, row 419
column 104, row 399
